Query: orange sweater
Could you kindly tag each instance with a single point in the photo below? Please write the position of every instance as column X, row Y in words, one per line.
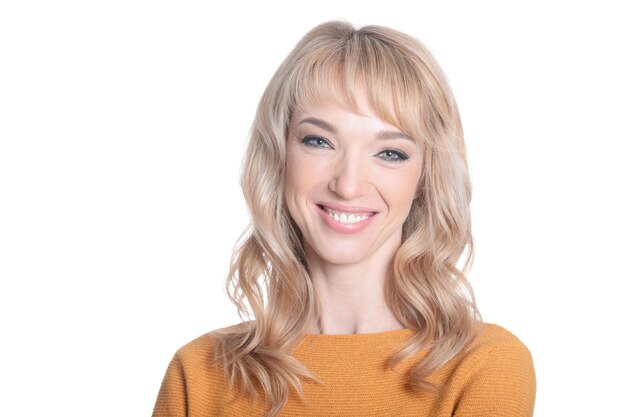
column 496, row 377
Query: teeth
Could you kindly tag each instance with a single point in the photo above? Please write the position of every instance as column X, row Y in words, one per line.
column 346, row 218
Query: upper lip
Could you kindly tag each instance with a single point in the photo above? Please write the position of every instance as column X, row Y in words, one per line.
column 346, row 209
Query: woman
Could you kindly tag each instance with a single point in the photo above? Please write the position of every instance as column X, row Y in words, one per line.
column 357, row 184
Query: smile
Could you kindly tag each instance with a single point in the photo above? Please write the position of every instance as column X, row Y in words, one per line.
column 347, row 218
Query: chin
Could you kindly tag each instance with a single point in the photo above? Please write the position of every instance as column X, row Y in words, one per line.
column 342, row 257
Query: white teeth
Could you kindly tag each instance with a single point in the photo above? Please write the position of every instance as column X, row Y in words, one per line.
column 346, row 219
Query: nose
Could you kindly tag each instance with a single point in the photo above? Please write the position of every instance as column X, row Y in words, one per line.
column 349, row 178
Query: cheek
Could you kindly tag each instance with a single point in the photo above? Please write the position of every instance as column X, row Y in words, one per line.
column 400, row 188
column 302, row 175
column 298, row 183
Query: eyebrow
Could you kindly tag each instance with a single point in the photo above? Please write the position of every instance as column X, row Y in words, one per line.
column 383, row 134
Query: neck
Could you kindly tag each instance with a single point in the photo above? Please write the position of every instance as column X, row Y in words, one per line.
column 352, row 295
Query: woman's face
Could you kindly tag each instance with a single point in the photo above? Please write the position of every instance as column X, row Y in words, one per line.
column 350, row 181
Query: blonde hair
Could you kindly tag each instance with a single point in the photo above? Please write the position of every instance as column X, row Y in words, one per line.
column 268, row 277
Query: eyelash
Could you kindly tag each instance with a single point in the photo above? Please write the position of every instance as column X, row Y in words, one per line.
column 400, row 156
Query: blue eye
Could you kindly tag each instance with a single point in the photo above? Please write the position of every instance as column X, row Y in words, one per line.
column 315, row 142
column 393, row 156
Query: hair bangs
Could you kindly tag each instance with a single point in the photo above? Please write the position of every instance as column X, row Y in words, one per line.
column 363, row 64
column 322, row 80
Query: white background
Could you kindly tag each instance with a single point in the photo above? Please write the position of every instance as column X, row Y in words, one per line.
column 122, row 126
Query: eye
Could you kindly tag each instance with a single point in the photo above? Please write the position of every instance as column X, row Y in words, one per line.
column 393, row 156
column 315, row 142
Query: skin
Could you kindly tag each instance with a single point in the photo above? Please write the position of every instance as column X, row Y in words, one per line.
column 352, row 166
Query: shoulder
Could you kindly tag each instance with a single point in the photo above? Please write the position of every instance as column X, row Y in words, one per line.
column 195, row 362
column 202, row 347
column 193, row 383
column 196, row 358
column 497, row 368
column 500, row 360
column 497, row 345
column 495, row 335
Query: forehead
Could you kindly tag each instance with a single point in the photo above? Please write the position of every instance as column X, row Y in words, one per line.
column 333, row 117
column 339, row 100
column 358, row 91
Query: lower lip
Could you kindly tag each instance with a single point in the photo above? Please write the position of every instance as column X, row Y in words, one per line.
column 344, row 228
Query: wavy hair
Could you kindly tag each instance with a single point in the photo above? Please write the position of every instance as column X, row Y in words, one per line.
column 268, row 277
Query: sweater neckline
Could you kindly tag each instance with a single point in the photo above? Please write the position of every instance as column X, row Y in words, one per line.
column 349, row 347
column 388, row 334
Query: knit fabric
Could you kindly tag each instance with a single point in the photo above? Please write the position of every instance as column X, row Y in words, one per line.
column 494, row 378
